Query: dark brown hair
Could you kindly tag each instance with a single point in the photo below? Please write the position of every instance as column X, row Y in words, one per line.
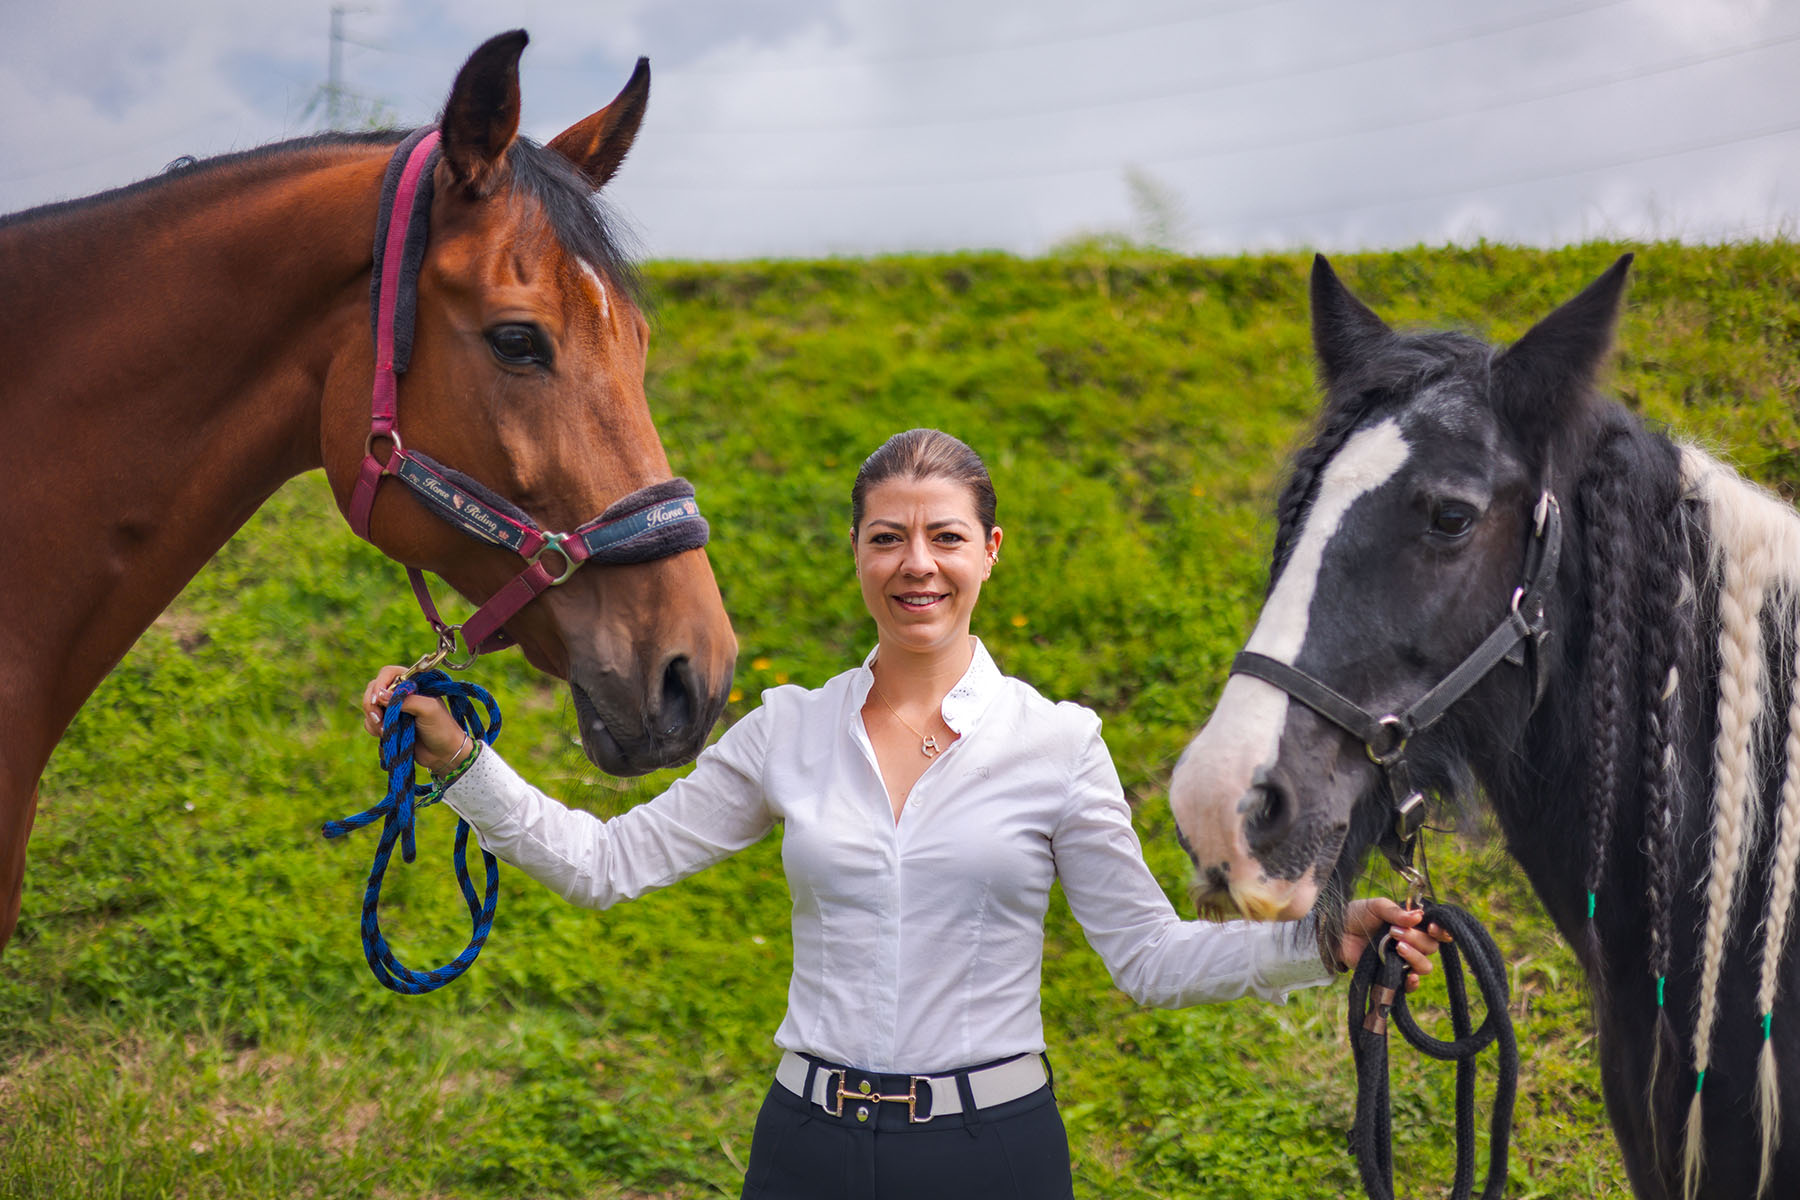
column 925, row 454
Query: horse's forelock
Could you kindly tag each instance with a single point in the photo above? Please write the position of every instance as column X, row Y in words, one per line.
column 578, row 217
column 1399, row 371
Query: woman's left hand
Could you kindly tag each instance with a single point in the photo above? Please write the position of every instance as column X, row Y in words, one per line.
column 1367, row 920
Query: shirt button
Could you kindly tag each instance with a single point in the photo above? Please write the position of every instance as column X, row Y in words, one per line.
column 863, row 1087
column 862, row 1112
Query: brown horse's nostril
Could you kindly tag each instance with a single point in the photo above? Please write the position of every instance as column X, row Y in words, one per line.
column 680, row 698
column 1269, row 813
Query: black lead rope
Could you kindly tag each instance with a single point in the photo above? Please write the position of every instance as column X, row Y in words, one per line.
column 1378, row 990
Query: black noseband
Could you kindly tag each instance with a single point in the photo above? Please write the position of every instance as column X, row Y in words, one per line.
column 1518, row 639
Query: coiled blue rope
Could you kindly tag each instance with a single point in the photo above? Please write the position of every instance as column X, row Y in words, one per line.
column 404, row 797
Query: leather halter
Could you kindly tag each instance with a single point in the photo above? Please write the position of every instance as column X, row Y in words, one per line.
column 1519, row 636
column 650, row 523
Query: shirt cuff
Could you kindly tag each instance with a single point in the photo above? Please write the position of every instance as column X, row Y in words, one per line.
column 1291, row 960
column 487, row 792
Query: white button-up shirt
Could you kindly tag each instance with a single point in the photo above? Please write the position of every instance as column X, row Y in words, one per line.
column 918, row 943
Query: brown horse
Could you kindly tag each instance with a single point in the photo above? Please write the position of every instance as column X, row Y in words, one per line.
column 176, row 349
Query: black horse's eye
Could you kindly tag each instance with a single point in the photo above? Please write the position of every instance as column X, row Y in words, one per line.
column 1452, row 520
column 518, row 345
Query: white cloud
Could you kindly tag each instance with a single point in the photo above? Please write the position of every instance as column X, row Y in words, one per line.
column 819, row 126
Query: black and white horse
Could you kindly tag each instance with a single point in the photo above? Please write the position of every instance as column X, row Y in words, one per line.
column 1643, row 761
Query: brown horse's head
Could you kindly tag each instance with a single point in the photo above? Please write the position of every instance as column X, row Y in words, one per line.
column 527, row 374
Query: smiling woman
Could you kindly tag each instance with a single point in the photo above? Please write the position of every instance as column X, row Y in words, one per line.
column 928, row 803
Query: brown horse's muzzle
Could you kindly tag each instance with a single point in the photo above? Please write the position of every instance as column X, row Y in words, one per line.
column 650, row 654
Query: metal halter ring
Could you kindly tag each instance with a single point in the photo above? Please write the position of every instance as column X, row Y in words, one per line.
column 1391, row 755
column 392, row 435
column 555, row 542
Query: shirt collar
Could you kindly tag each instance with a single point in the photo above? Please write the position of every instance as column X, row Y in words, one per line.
column 964, row 702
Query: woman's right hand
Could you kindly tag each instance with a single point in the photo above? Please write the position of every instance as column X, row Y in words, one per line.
column 441, row 743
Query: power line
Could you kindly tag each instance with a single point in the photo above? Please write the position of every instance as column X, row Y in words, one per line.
column 1241, row 145
column 1520, row 178
column 903, row 56
column 1010, row 47
column 964, row 117
column 1515, row 100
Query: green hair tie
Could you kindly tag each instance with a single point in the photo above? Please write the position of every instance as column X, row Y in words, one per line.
column 1768, row 1020
column 1590, row 906
column 1662, row 981
column 1699, row 1082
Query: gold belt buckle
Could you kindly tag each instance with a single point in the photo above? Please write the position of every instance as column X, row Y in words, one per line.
column 841, row 1093
column 910, row 1098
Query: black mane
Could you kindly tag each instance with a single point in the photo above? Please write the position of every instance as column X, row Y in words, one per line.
column 186, row 168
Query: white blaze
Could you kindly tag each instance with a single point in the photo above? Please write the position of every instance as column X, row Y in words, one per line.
column 600, row 286
column 1244, row 733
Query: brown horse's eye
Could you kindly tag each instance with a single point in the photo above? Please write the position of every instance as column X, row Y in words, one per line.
column 518, row 345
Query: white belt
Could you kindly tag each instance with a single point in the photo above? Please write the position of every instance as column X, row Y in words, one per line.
column 989, row 1086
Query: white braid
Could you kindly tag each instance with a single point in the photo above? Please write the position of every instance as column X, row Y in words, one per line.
column 1743, row 554
column 1775, row 927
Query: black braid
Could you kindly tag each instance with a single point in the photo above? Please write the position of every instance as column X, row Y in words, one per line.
column 1610, row 548
column 1667, row 636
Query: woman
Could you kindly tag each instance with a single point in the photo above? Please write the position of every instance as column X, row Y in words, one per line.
column 929, row 803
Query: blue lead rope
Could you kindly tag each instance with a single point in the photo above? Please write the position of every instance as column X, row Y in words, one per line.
column 404, row 797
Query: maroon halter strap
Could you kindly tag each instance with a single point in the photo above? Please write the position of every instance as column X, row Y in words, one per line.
column 653, row 522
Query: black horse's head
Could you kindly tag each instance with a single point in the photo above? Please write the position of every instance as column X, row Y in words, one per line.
column 1402, row 538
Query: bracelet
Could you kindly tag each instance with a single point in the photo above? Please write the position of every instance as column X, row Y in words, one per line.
column 441, row 783
column 453, row 771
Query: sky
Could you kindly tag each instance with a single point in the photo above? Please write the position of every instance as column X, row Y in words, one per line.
column 824, row 127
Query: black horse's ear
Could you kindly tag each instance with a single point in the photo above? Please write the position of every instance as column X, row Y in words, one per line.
column 1345, row 330
column 1543, row 378
column 481, row 118
column 599, row 144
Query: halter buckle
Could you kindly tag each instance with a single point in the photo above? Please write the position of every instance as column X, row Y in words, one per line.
column 554, row 541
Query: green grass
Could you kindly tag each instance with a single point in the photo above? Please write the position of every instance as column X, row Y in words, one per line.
column 185, row 1011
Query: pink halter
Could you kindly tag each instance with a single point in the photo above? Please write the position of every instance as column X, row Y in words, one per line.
column 653, row 522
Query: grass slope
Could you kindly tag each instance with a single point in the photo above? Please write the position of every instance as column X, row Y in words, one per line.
column 185, row 1012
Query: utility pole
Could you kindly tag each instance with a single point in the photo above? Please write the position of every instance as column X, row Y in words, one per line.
column 334, row 72
column 337, row 94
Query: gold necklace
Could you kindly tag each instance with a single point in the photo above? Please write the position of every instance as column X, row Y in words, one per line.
column 928, row 745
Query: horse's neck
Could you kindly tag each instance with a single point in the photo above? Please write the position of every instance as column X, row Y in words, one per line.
column 166, row 352
column 1541, row 793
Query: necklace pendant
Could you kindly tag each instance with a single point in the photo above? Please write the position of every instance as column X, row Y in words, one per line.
column 929, row 747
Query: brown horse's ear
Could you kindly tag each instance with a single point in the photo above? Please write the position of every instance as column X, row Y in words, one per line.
column 598, row 145
column 1543, row 378
column 481, row 118
column 1345, row 330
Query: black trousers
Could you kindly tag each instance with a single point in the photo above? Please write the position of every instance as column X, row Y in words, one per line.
column 1012, row 1151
